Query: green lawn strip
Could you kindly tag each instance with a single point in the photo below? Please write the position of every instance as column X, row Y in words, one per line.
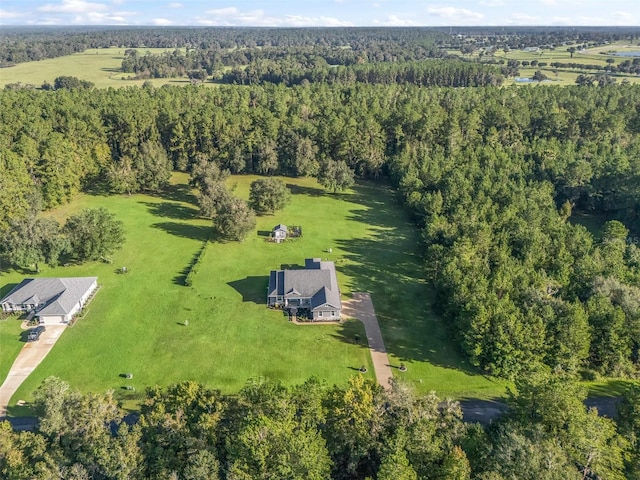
column 10, row 344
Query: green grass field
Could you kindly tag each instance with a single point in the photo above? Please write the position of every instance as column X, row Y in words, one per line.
column 100, row 66
column 136, row 321
column 566, row 76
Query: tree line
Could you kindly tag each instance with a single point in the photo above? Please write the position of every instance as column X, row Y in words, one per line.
column 433, row 73
column 24, row 44
column 316, row 431
column 491, row 175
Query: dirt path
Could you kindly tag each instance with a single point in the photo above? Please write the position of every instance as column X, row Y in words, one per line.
column 361, row 307
column 26, row 362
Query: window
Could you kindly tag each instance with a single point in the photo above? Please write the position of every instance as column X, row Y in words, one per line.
column 319, row 313
column 333, row 314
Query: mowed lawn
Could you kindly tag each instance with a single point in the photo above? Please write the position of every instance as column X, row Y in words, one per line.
column 136, row 321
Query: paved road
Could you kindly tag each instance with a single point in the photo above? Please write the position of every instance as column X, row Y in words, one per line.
column 26, row 362
column 361, row 307
column 486, row 411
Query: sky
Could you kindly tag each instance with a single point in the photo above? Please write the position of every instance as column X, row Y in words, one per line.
column 333, row 13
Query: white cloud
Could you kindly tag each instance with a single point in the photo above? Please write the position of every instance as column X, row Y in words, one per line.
column 522, row 19
column 624, row 17
column 492, row 3
column 161, row 21
column 396, row 21
column 175, row 5
column 4, row 14
column 98, row 18
column 223, row 11
column 232, row 16
column 455, row 13
column 616, row 19
column 73, row 6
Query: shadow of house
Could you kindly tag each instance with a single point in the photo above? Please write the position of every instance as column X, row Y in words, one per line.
column 352, row 331
column 252, row 289
column 7, row 288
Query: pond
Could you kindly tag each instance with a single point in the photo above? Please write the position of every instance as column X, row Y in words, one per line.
column 628, row 54
column 527, row 80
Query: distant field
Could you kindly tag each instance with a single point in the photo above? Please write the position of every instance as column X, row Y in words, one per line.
column 567, row 76
column 100, row 66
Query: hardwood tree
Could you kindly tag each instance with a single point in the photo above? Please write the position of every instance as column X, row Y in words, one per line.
column 94, row 234
column 234, row 219
column 335, row 175
column 267, row 195
column 32, row 240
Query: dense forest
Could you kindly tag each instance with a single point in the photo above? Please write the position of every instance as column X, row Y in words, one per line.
column 24, row 44
column 316, row 431
column 495, row 179
column 491, row 175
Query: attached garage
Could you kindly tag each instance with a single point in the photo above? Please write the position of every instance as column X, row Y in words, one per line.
column 52, row 319
column 53, row 301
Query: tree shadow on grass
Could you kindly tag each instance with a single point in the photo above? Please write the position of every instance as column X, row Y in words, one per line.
column 252, row 289
column 308, row 191
column 185, row 230
column 178, row 193
column 98, row 188
column 171, row 210
column 388, row 265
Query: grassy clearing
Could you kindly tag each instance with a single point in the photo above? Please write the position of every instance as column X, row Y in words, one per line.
column 136, row 322
column 592, row 222
column 11, row 342
column 609, row 388
column 100, row 66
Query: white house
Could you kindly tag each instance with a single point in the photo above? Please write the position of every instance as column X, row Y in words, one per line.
column 279, row 232
column 53, row 300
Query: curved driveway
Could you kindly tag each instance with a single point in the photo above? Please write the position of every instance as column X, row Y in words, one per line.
column 26, row 362
column 360, row 306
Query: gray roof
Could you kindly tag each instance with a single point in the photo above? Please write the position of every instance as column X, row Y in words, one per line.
column 54, row 296
column 280, row 226
column 317, row 281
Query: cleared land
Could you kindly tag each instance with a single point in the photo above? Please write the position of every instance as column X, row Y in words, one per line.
column 98, row 65
column 565, row 75
column 136, row 322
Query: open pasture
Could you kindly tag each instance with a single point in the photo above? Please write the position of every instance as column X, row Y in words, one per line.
column 98, row 65
column 136, row 323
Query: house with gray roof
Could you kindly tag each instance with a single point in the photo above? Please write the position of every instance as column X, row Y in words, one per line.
column 52, row 300
column 312, row 290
